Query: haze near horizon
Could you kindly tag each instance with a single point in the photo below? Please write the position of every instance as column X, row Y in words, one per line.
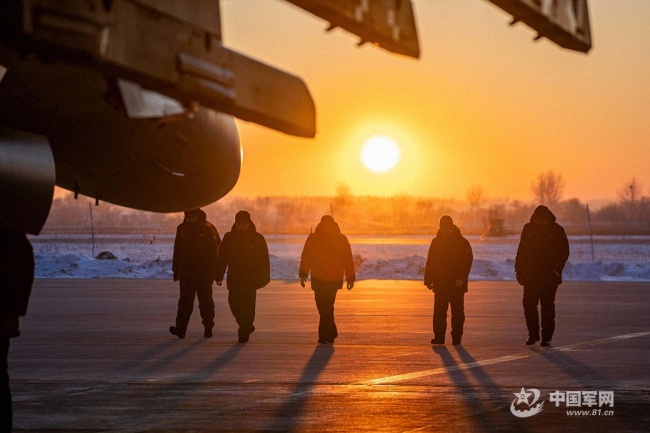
column 484, row 105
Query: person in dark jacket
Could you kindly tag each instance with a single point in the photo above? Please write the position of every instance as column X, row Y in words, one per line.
column 195, row 255
column 16, row 278
column 542, row 253
column 328, row 257
column 447, row 270
column 246, row 256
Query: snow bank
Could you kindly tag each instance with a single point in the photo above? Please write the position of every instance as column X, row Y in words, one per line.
column 621, row 259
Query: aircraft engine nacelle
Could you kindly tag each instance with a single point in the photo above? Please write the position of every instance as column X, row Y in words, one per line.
column 27, row 177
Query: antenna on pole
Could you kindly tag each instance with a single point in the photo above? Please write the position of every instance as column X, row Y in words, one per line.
column 591, row 234
column 92, row 227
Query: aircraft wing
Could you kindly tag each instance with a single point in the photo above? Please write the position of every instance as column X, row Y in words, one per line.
column 149, row 42
column 389, row 24
column 565, row 22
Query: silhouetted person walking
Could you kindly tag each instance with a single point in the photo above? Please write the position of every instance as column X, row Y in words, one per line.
column 328, row 257
column 245, row 253
column 542, row 253
column 195, row 256
column 447, row 270
column 16, row 278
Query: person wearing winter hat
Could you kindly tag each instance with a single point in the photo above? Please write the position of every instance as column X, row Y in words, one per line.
column 328, row 257
column 541, row 255
column 245, row 254
column 446, row 273
column 195, row 256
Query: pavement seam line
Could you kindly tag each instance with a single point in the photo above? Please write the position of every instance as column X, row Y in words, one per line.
column 344, row 388
column 441, row 370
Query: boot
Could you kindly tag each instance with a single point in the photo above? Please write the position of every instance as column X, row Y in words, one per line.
column 177, row 332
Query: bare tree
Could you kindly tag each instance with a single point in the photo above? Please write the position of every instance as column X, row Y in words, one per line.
column 630, row 194
column 630, row 200
column 343, row 190
column 342, row 201
column 475, row 196
column 548, row 188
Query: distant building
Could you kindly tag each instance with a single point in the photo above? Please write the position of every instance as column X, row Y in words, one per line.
column 496, row 220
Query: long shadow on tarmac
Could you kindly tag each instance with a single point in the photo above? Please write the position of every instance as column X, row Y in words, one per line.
column 480, row 414
column 192, row 383
column 627, row 419
column 288, row 416
column 138, row 362
column 490, row 386
column 222, row 360
column 574, row 368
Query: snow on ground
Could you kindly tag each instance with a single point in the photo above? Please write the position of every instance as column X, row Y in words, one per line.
column 615, row 258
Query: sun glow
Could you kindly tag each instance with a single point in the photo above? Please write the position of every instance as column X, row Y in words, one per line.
column 380, row 154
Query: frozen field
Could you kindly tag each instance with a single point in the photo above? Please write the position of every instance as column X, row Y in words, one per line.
column 71, row 256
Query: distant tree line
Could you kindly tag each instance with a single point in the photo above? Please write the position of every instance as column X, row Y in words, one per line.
column 372, row 215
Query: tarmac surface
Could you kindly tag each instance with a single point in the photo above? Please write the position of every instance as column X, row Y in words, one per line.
column 96, row 356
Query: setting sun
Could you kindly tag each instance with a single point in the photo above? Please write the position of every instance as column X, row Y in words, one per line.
column 380, row 154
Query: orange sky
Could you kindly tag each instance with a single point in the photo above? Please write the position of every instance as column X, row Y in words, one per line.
column 484, row 105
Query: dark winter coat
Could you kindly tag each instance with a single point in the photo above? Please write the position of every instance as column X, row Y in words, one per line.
column 16, row 273
column 195, row 250
column 327, row 255
column 246, row 255
column 543, row 250
column 450, row 259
